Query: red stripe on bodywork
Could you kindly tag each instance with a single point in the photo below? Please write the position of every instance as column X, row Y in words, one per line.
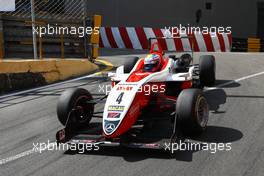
column 139, row 102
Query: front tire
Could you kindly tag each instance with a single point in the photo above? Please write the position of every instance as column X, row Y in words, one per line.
column 73, row 107
column 207, row 70
column 192, row 112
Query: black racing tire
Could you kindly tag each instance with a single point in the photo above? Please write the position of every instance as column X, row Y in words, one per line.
column 207, row 70
column 192, row 112
column 73, row 104
column 130, row 63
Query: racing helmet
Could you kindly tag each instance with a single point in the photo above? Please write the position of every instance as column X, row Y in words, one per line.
column 152, row 63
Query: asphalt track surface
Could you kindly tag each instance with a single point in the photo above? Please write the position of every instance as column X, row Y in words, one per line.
column 236, row 117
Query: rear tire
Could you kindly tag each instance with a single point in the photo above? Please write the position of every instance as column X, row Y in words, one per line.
column 192, row 112
column 207, row 70
column 73, row 104
column 130, row 63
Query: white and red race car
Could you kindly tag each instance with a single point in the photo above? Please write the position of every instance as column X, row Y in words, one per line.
column 137, row 99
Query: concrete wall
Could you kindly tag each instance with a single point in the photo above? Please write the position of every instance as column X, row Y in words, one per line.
column 240, row 15
column 24, row 74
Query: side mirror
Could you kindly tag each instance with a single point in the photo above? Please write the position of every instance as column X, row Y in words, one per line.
column 120, row 70
column 173, row 57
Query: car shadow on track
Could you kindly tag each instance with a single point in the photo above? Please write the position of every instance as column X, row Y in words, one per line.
column 128, row 154
column 55, row 91
column 215, row 98
column 213, row 136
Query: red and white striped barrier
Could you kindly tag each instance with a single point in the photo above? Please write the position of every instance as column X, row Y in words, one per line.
column 137, row 38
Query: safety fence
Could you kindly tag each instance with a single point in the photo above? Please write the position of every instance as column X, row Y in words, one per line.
column 49, row 9
column 248, row 45
column 18, row 39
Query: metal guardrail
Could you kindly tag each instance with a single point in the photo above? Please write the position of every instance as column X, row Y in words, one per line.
column 247, row 45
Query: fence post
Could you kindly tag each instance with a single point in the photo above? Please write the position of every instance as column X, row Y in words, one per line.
column 33, row 27
column 62, row 46
column 2, row 47
column 40, row 48
column 85, row 24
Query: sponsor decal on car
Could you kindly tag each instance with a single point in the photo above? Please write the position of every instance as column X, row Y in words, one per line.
column 113, row 115
column 109, row 127
column 124, row 88
column 116, row 108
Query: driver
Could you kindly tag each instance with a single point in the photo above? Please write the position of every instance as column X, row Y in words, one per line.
column 152, row 63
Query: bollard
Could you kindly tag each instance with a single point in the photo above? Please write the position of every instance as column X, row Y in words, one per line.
column 97, row 21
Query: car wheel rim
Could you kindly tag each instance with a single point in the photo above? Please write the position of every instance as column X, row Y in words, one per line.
column 202, row 112
column 83, row 110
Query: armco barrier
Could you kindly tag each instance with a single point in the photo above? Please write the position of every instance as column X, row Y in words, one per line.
column 248, row 45
column 261, row 45
column 137, row 38
column 254, row 45
column 21, row 74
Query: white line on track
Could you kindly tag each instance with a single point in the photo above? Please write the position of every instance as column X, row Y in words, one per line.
column 235, row 81
column 23, row 154
column 29, row 152
column 20, row 155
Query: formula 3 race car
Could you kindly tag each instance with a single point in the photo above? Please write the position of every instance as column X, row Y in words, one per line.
column 137, row 99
